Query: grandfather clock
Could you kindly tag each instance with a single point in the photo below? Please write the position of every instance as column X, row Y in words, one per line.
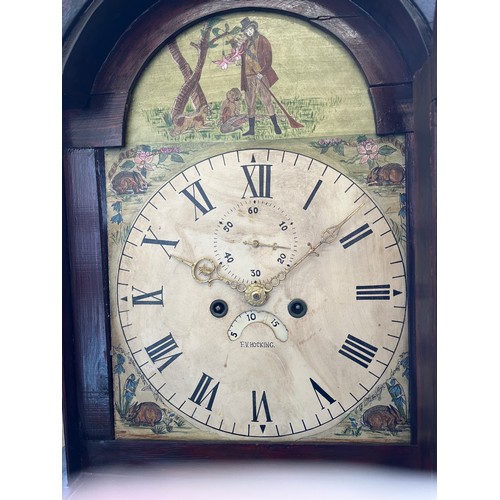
column 250, row 232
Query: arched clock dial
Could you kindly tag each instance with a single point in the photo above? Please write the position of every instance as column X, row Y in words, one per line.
column 277, row 326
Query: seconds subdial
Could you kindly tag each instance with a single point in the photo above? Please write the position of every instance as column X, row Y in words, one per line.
column 255, row 240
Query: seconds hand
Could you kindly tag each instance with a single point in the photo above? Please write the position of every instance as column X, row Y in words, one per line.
column 257, row 243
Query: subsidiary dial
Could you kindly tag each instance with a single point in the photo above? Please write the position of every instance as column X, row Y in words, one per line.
column 254, row 240
column 248, row 317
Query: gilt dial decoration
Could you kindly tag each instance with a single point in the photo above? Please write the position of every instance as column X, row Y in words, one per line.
column 261, row 293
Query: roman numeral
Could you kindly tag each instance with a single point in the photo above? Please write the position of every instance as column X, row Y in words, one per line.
column 263, row 180
column 155, row 241
column 321, row 392
column 373, row 292
column 262, row 404
column 357, row 350
column 159, row 351
column 147, row 298
column 312, row 195
column 204, row 205
column 202, row 391
column 355, row 236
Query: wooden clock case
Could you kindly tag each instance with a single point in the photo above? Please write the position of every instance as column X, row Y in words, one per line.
column 106, row 46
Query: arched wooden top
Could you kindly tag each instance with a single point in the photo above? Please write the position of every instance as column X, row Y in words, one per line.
column 98, row 77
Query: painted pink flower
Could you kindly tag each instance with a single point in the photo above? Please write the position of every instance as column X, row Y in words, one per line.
column 223, row 63
column 144, row 159
column 236, row 53
column 368, row 150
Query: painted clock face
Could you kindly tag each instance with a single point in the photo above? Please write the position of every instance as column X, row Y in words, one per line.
column 262, row 294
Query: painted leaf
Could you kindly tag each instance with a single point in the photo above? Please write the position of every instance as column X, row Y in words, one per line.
column 339, row 148
column 386, row 150
column 119, row 368
column 177, row 158
column 213, row 21
column 162, row 157
column 128, row 165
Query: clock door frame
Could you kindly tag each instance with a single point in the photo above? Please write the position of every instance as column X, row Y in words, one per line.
column 105, row 51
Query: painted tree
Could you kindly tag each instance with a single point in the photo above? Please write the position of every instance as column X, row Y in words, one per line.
column 210, row 35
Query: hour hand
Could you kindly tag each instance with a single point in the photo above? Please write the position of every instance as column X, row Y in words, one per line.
column 206, row 270
column 181, row 259
column 202, row 269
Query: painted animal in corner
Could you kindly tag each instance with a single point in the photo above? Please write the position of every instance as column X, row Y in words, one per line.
column 390, row 174
column 148, row 414
column 382, row 418
column 129, row 182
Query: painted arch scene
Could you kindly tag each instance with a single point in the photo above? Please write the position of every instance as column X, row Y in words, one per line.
column 257, row 76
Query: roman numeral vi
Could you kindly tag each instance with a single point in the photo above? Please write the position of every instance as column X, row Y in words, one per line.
column 262, row 404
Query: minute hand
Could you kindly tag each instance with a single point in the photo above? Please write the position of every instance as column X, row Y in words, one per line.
column 329, row 235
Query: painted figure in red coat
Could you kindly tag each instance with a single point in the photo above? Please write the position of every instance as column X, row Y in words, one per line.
column 257, row 74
